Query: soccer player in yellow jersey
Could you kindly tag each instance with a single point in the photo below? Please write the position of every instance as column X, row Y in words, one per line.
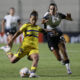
column 29, row 45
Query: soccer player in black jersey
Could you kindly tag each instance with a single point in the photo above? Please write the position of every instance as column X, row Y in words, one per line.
column 56, row 42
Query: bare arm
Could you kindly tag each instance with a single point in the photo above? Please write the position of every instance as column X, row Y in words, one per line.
column 15, row 36
column 46, row 30
column 2, row 25
column 44, row 21
column 19, row 22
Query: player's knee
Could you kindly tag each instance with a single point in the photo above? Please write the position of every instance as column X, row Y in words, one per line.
column 36, row 58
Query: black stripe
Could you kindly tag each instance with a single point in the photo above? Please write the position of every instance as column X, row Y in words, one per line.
column 32, row 35
column 32, row 30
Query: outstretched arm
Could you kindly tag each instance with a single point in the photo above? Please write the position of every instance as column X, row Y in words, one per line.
column 2, row 25
column 15, row 36
column 47, row 30
column 68, row 17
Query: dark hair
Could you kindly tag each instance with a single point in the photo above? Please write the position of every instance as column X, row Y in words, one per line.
column 34, row 13
column 53, row 4
column 12, row 8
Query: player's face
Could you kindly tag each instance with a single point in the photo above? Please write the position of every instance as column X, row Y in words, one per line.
column 12, row 11
column 33, row 20
column 52, row 9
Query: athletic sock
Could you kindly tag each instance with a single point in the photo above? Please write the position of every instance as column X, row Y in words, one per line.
column 9, row 53
column 67, row 66
column 33, row 69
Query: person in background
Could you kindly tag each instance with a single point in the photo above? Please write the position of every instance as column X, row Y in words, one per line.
column 10, row 24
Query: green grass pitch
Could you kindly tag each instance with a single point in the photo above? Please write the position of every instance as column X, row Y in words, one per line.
column 48, row 68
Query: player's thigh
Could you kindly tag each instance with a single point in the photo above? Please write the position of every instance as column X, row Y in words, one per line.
column 57, row 54
column 34, row 54
column 62, row 46
column 21, row 53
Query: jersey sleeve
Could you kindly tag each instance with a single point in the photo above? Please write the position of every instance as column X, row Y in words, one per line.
column 63, row 16
column 46, row 15
column 5, row 18
column 23, row 27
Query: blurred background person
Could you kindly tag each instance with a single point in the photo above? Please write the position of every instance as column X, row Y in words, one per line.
column 9, row 25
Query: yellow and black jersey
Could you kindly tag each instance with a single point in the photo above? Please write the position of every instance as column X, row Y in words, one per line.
column 30, row 33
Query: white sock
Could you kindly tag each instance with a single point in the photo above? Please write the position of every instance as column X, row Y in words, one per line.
column 67, row 66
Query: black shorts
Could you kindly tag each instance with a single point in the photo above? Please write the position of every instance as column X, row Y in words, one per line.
column 10, row 31
column 54, row 40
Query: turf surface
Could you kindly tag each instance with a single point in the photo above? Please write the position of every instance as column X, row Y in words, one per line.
column 48, row 68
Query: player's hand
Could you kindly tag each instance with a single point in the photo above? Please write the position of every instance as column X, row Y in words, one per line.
column 68, row 17
column 44, row 21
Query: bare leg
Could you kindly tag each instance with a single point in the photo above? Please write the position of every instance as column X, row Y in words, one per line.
column 57, row 54
column 62, row 47
column 35, row 59
column 9, row 38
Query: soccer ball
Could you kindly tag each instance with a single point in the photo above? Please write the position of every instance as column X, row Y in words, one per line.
column 24, row 72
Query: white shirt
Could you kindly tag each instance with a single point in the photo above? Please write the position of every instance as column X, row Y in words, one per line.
column 11, row 21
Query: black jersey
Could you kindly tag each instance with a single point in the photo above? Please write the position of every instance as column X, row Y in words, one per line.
column 54, row 20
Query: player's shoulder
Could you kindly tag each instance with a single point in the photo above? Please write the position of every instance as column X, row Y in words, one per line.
column 38, row 27
column 7, row 16
column 16, row 16
column 23, row 27
column 47, row 13
column 26, row 24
